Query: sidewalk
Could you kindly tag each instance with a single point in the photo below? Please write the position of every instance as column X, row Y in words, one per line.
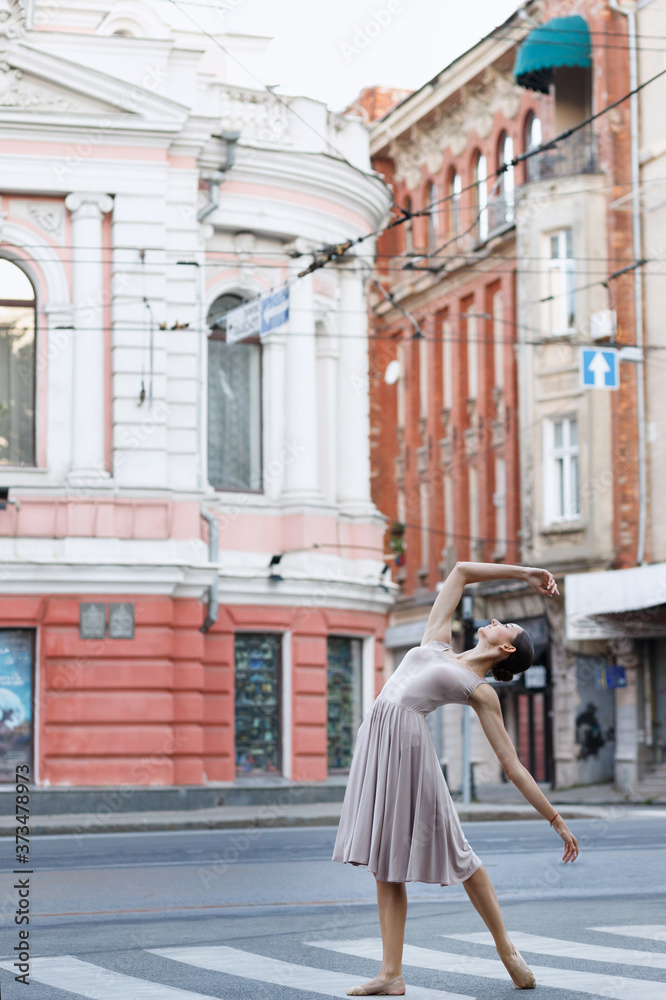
column 288, row 804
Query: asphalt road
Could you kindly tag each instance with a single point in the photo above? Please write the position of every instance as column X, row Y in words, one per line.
column 265, row 913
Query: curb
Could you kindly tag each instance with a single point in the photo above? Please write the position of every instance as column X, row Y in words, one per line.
column 78, row 824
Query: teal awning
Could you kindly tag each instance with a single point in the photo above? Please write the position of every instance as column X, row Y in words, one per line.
column 562, row 41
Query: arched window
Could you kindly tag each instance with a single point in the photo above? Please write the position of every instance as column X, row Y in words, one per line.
column 532, row 139
column 234, row 403
column 455, row 198
column 408, row 227
column 432, row 216
column 507, row 181
column 481, row 196
column 17, row 365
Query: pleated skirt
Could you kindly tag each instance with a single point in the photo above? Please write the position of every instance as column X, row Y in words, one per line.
column 397, row 816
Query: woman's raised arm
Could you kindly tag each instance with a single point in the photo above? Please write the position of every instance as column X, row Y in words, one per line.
column 439, row 620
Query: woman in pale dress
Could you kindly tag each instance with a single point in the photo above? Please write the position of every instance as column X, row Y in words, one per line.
column 504, row 649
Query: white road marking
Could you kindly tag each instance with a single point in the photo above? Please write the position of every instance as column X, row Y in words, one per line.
column 65, row 972
column 651, row 932
column 539, row 945
column 617, row 987
column 247, row 965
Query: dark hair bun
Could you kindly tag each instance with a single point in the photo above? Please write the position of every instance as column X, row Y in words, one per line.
column 517, row 662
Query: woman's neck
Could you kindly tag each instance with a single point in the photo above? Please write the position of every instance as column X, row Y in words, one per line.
column 476, row 660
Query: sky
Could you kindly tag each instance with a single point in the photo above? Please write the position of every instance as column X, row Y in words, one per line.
column 331, row 50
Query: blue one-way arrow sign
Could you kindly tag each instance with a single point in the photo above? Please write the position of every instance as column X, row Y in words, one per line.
column 599, row 368
column 275, row 309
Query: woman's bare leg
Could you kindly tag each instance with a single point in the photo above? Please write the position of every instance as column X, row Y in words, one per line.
column 482, row 893
column 392, row 906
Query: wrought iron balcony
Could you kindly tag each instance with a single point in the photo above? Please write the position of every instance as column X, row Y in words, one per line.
column 579, row 154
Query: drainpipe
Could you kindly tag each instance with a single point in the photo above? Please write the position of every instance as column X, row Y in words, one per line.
column 215, row 177
column 213, row 556
column 638, row 280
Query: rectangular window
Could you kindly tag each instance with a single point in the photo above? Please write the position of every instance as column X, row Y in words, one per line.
column 560, row 297
column 425, row 522
column 475, row 545
column 447, row 364
column 257, row 710
column 499, row 501
column 234, row 415
column 472, row 356
column 561, row 470
column 499, row 337
column 423, row 377
column 345, row 699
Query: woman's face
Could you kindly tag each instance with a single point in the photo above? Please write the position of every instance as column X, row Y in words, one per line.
column 497, row 634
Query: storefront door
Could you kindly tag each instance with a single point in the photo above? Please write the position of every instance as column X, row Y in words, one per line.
column 258, row 665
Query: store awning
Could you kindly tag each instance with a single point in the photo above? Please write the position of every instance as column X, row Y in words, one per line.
column 623, row 602
column 562, row 41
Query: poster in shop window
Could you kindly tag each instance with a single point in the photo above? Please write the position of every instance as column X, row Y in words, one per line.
column 16, row 646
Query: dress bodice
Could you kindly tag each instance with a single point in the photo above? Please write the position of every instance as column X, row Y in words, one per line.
column 427, row 678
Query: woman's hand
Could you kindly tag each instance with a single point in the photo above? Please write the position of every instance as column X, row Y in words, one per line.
column 542, row 581
column 570, row 842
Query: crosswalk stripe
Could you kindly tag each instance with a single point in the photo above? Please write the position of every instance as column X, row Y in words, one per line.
column 248, row 965
column 539, row 945
column 650, row 932
column 618, row 987
column 87, row 980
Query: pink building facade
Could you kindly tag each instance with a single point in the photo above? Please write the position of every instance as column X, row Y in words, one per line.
column 191, row 585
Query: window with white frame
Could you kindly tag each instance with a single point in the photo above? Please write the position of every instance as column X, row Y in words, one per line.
column 432, row 216
column 17, row 366
column 481, row 196
column 499, row 337
column 559, row 300
column 455, row 200
column 499, row 501
column 234, row 404
column 407, row 227
column 507, row 180
column 561, row 470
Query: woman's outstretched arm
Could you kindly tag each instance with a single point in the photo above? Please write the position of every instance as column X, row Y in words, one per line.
column 439, row 620
column 486, row 704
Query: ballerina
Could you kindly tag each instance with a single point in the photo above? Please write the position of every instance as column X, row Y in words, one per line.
column 397, row 816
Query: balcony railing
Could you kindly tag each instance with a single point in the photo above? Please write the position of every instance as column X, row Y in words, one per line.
column 576, row 155
column 501, row 212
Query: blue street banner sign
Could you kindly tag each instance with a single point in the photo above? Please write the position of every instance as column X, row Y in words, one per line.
column 274, row 309
column 599, row 368
column 244, row 321
column 608, row 676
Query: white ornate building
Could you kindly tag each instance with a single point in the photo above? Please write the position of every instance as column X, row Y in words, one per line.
column 146, row 190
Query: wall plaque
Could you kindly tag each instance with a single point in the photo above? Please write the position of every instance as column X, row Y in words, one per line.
column 121, row 621
column 92, row 620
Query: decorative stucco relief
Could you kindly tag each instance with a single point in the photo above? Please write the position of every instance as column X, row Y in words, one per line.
column 425, row 147
column 13, row 14
column 18, row 92
column 49, row 216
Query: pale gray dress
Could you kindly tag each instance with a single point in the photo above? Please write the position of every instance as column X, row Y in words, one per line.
column 397, row 816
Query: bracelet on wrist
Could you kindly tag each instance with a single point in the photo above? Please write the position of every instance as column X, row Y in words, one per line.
column 554, row 818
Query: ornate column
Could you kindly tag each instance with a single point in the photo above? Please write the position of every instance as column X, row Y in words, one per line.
column 88, row 389
column 353, row 409
column 301, row 472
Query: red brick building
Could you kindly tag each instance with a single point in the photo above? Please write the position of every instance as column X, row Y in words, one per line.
column 445, row 440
